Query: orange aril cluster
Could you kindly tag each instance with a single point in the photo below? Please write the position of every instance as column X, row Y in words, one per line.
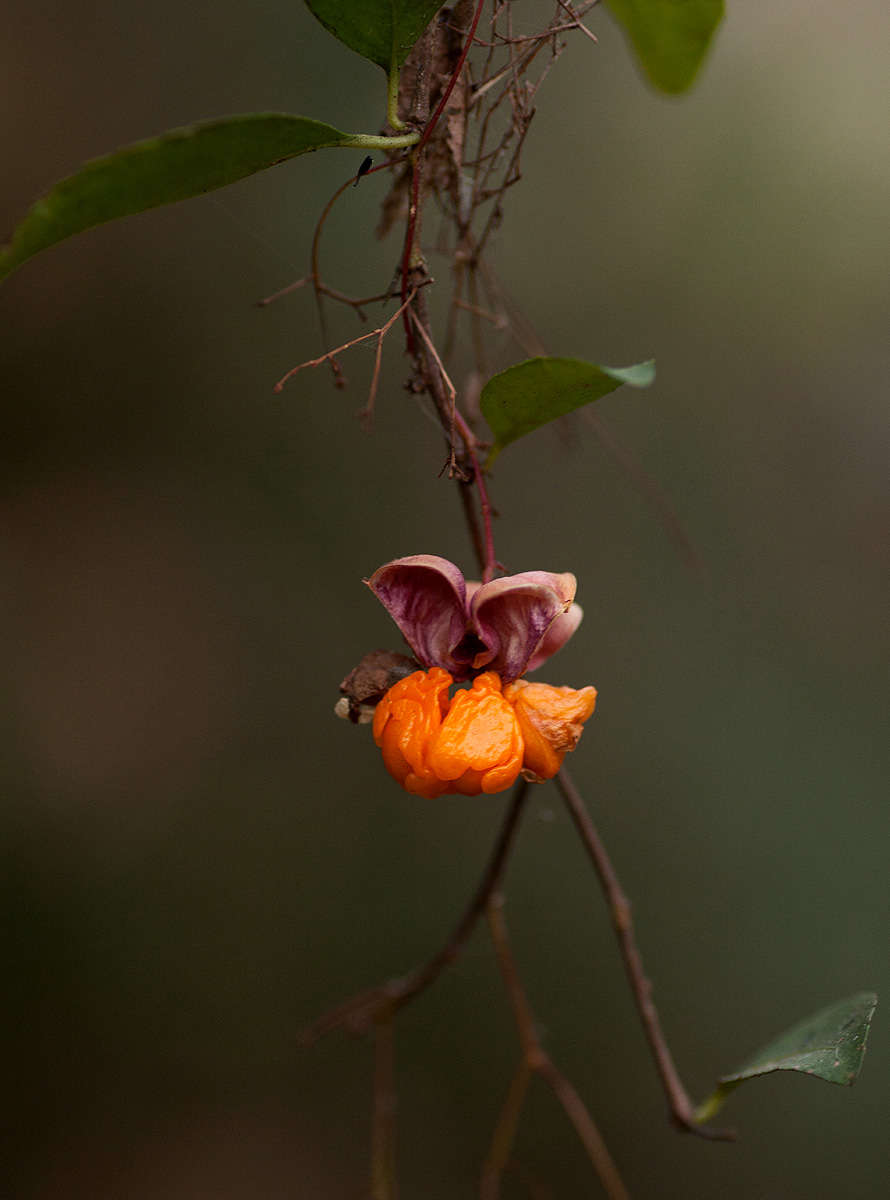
column 480, row 739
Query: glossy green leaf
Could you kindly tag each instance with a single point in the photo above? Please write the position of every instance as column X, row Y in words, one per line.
column 670, row 37
column 178, row 164
column 830, row 1045
column 382, row 30
column 528, row 395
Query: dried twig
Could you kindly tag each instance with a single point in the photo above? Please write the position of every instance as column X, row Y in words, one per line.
column 410, row 249
column 330, row 356
column 576, row 22
column 356, row 302
column 446, row 379
column 320, row 288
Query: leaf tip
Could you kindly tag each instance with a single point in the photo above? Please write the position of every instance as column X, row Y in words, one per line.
column 640, row 375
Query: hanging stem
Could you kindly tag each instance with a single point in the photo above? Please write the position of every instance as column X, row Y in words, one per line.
column 472, row 521
column 681, row 1107
column 489, row 563
column 384, row 1178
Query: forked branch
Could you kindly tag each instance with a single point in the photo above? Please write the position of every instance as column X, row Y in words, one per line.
column 536, row 1060
column 331, row 357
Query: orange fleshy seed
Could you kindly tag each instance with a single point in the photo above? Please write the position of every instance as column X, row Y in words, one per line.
column 480, row 739
column 478, row 747
column 551, row 720
column 405, row 721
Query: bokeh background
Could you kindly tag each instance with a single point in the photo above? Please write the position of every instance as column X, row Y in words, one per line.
column 198, row 858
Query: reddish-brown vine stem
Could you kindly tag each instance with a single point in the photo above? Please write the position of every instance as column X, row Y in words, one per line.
column 357, row 1013
column 416, row 158
column 384, row 1177
column 489, row 562
column 681, row 1107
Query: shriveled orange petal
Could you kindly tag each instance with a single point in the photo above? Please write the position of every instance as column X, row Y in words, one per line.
column 478, row 747
column 551, row 719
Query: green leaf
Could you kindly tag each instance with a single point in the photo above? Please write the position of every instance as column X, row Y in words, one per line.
column 382, row 30
column 670, row 37
column 830, row 1045
column 528, row 395
column 178, row 164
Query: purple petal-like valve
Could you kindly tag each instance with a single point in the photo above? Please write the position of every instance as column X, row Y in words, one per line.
column 509, row 625
column 513, row 615
column 426, row 597
column 556, row 636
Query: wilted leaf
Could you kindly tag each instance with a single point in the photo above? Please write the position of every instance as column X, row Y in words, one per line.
column 528, row 395
column 830, row 1045
column 382, row 30
column 670, row 37
column 178, row 164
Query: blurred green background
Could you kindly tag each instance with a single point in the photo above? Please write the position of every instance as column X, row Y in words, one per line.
column 199, row 858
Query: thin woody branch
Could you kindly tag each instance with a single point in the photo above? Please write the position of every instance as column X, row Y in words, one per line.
column 535, row 1059
column 361, row 1010
column 681, row 1107
column 384, row 1177
column 356, row 302
column 320, row 288
column 331, row 356
column 466, row 466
